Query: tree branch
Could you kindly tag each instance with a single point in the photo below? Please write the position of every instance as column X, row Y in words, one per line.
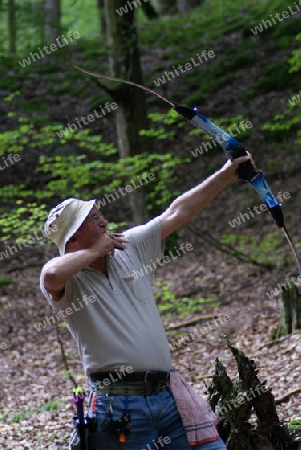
column 64, row 358
column 225, row 248
column 195, row 319
column 285, row 397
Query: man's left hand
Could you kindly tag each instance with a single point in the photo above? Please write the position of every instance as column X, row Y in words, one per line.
column 231, row 166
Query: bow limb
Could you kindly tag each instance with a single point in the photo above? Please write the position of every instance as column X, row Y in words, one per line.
column 131, row 83
column 106, row 77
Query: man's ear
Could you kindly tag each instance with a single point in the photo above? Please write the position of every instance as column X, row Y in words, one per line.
column 70, row 244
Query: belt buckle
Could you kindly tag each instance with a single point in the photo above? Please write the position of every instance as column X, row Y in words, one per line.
column 146, row 373
column 148, row 385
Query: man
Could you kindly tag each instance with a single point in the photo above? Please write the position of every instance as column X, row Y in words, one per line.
column 117, row 328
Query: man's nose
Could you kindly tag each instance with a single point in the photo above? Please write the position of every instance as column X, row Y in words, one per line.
column 102, row 220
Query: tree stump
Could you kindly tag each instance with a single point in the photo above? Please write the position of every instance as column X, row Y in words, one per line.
column 235, row 402
column 290, row 311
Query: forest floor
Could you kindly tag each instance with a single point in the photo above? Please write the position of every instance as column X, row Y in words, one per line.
column 36, row 404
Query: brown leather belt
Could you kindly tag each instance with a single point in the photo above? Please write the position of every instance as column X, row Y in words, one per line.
column 136, row 383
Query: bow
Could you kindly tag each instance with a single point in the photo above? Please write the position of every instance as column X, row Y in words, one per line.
column 232, row 148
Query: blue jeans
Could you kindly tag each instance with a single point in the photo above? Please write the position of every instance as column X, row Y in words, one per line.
column 156, row 425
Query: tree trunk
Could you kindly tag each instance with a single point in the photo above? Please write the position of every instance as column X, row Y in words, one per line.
column 124, row 62
column 52, row 20
column 11, row 27
column 290, row 311
column 186, row 5
column 168, row 6
column 172, row 6
column 234, row 402
column 102, row 21
column 149, row 10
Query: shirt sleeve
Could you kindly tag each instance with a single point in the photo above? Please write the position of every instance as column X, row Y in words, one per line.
column 146, row 241
column 63, row 302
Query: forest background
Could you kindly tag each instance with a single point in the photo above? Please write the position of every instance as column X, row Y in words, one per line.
column 61, row 135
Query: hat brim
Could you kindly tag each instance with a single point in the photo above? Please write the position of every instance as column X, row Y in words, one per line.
column 75, row 221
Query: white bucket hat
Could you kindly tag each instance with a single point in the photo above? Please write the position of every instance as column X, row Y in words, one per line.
column 65, row 219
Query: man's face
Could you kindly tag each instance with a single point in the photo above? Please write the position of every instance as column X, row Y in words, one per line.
column 91, row 229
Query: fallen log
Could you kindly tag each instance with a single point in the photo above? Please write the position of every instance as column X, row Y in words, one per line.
column 287, row 396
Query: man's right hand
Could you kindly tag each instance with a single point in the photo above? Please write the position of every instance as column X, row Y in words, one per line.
column 108, row 242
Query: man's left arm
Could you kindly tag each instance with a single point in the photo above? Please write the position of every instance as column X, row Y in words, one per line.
column 189, row 204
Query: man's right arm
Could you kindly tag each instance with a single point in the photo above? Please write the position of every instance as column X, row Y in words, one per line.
column 59, row 270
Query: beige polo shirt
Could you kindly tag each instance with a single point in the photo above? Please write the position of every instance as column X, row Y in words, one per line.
column 115, row 320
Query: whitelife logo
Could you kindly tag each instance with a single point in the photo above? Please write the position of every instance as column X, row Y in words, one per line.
column 269, row 23
column 257, row 209
column 3, row 346
column 10, row 160
column 218, row 140
column 53, row 47
column 295, row 99
column 285, row 286
column 167, row 76
column 108, row 198
column 61, row 314
column 146, row 269
column 195, row 332
column 125, row 9
column 86, row 119
column 26, row 243
column 241, row 399
column 160, row 440
column 107, row 381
